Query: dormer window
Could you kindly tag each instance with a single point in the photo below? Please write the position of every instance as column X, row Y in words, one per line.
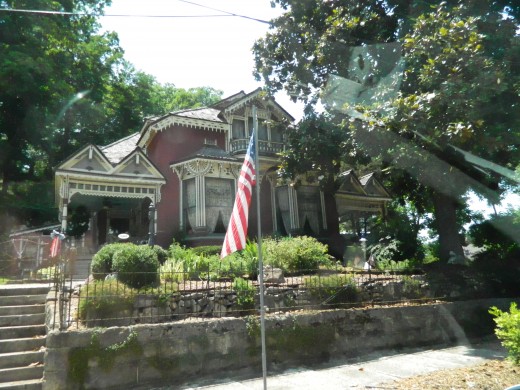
column 209, row 141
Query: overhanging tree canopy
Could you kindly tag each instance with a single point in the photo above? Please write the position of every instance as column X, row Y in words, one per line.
column 459, row 87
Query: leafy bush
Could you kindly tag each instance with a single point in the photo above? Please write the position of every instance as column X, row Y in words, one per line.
column 412, row 288
column 162, row 254
column 208, row 250
column 333, row 289
column 508, row 330
column 245, row 293
column 243, row 263
column 177, row 251
column 385, row 250
column 102, row 262
column 136, row 266
column 498, row 235
column 199, row 263
column 172, row 271
column 395, row 266
column 500, row 260
column 396, row 235
column 47, row 273
column 293, row 254
column 104, row 300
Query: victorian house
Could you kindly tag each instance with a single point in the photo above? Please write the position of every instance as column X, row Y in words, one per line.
column 186, row 163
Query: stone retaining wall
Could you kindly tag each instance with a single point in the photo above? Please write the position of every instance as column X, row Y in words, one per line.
column 142, row 356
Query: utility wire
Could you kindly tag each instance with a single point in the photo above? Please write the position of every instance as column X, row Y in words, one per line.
column 226, row 12
column 65, row 13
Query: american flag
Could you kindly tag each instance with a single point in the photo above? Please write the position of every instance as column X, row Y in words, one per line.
column 235, row 239
column 55, row 247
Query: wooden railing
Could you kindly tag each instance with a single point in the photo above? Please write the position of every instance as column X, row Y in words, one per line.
column 240, row 145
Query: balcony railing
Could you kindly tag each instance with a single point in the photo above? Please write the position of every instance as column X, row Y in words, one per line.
column 239, row 145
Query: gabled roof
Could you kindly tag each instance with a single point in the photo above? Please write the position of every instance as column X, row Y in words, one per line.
column 220, row 105
column 367, row 185
column 121, row 158
column 118, row 150
column 373, row 187
column 210, row 118
column 351, row 184
column 89, row 158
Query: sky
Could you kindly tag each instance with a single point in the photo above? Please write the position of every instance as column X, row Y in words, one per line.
column 195, row 51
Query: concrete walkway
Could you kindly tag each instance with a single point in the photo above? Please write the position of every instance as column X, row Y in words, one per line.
column 370, row 373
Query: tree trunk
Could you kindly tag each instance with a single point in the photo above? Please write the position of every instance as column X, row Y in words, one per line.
column 331, row 213
column 446, row 221
column 335, row 241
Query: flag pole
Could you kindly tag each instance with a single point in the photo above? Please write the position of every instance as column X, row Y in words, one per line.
column 259, row 240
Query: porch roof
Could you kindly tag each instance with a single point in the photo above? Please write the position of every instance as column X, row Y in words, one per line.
column 209, row 152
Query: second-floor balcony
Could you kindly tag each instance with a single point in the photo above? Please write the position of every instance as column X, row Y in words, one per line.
column 266, row 148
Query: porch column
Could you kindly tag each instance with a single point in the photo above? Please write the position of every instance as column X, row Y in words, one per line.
column 64, row 215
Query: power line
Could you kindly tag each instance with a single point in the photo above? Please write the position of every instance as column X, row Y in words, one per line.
column 226, row 12
column 65, row 13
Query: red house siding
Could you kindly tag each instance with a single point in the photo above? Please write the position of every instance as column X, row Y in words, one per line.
column 169, row 145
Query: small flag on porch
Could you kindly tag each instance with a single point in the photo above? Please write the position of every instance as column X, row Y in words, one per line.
column 55, row 246
column 235, row 239
column 57, row 237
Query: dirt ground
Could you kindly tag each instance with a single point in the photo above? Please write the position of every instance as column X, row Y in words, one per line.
column 491, row 375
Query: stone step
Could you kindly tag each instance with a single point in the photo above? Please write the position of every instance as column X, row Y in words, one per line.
column 21, row 359
column 22, row 309
column 22, row 319
column 18, row 300
column 31, row 384
column 24, row 290
column 21, row 373
column 23, row 344
column 16, row 332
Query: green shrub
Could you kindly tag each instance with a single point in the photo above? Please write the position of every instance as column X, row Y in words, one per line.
column 241, row 264
column 508, row 330
column 395, row 266
column 208, row 250
column 102, row 262
column 162, row 254
column 172, row 271
column 47, row 272
column 332, row 289
column 104, row 300
column 245, row 293
column 136, row 266
column 412, row 288
column 178, row 251
column 293, row 254
column 195, row 265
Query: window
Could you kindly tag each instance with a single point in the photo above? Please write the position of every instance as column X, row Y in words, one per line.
column 219, row 201
column 262, row 128
column 238, row 128
column 189, row 203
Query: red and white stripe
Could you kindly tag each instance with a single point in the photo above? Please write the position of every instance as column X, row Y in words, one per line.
column 237, row 229
column 55, row 247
